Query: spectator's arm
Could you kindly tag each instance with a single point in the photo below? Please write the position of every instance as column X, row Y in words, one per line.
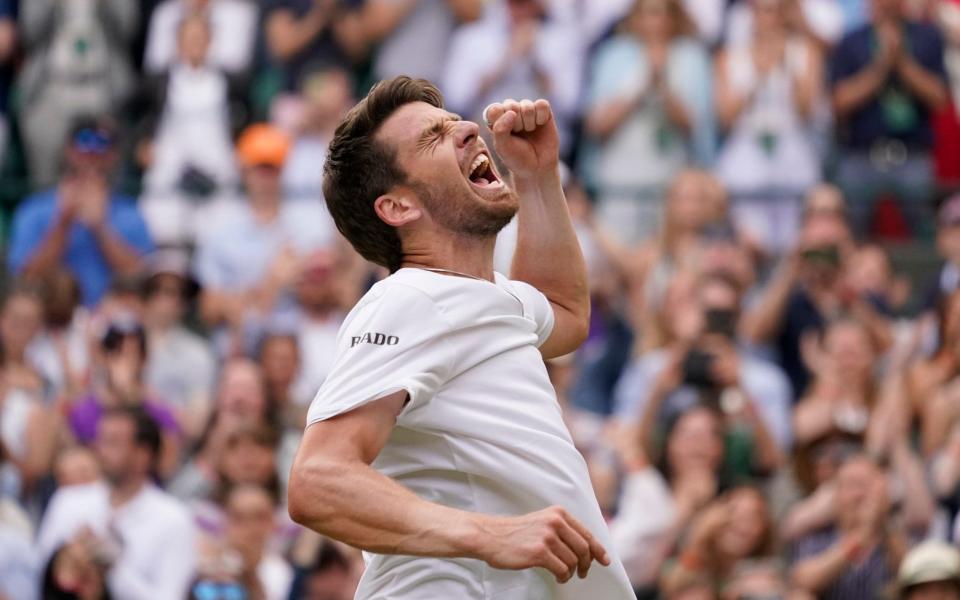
column 767, row 453
column 816, row 573
column 811, row 513
column 381, row 17
column 288, row 35
column 36, row 259
column 729, row 102
column 918, row 504
column 812, row 418
column 466, row 10
column 925, row 85
column 807, row 87
column 43, row 427
column 762, row 323
column 350, row 34
column 122, row 257
column 851, row 93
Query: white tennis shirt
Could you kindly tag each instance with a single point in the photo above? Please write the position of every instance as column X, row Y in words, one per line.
column 482, row 430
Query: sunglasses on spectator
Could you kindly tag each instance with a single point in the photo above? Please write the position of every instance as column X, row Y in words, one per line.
column 92, row 141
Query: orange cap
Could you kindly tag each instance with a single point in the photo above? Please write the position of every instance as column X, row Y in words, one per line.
column 262, row 144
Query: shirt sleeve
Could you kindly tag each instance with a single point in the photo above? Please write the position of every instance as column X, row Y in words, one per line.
column 536, row 307
column 392, row 342
column 27, row 231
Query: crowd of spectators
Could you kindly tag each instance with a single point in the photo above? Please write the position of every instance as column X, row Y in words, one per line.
column 767, row 408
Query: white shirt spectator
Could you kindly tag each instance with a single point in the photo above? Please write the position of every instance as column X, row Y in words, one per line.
column 764, row 383
column 641, row 529
column 477, row 51
column 234, row 26
column 708, row 17
column 159, row 551
column 275, row 576
column 824, row 17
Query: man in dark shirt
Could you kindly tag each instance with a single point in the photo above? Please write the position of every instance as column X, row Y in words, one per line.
column 887, row 79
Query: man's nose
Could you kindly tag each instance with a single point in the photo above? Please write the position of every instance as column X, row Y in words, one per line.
column 467, row 132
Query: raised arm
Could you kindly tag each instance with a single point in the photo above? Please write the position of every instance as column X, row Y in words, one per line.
column 333, row 490
column 548, row 254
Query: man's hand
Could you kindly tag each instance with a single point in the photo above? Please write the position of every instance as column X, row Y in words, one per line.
column 525, row 136
column 550, row 538
column 93, row 198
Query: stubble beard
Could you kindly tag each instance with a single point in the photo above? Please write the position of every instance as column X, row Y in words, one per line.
column 458, row 209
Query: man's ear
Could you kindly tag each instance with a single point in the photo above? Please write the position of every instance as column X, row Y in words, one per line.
column 397, row 208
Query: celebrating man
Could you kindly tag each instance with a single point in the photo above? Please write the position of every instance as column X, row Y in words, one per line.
column 436, row 443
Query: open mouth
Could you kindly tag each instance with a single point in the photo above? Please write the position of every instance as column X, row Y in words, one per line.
column 481, row 173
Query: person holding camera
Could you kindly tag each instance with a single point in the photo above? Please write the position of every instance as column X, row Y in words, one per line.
column 753, row 394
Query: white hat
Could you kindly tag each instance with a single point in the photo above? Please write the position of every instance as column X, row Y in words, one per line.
column 928, row 562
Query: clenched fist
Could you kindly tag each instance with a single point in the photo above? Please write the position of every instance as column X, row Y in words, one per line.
column 525, row 136
column 549, row 538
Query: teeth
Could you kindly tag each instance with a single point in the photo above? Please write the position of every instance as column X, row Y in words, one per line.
column 480, row 162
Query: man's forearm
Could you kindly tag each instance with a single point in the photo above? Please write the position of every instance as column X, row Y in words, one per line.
column 120, row 256
column 925, row 85
column 548, row 253
column 49, row 252
column 355, row 504
column 852, row 93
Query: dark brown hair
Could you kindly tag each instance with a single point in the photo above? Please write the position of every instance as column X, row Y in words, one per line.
column 359, row 168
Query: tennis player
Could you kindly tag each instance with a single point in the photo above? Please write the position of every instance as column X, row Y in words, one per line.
column 436, row 444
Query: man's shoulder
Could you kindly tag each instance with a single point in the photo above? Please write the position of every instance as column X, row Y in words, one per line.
column 44, row 201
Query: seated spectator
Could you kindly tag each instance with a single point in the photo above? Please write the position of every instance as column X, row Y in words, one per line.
column 138, row 538
column 304, row 36
column 410, row 35
column 768, row 93
column 525, row 53
column 660, row 497
column 805, row 292
column 233, row 26
column 734, row 528
column 857, row 554
column 77, row 63
column 887, row 79
column 930, row 571
column 752, row 391
column 60, row 351
column 647, row 115
column 247, row 264
column 118, row 381
column 188, row 113
column 80, row 224
column 181, row 365
column 326, row 97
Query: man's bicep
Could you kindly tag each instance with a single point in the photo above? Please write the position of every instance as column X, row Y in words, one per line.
column 568, row 332
column 358, row 434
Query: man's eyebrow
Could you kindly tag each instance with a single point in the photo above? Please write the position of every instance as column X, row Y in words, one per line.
column 435, row 128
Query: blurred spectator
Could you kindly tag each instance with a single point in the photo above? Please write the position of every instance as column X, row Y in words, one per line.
column 805, row 292
column 822, row 21
column 304, row 36
column 241, row 402
column 136, row 535
column 709, row 16
column 77, row 63
column 8, row 46
column 248, row 263
column 18, row 569
column 763, row 578
column 118, row 381
column 888, row 78
column 412, row 35
column 28, row 429
column 525, row 53
column 328, row 576
column 326, row 96
column 930, row 571
column 60, row 350
column 250, row 524
column 233, row 31
column 76, row 465
column 751, row 392
column 856, row 555
column 181, row 365
column 736, row 527
column 81, row 224
column 661, row 497
column 768, row 93
column 647, row 115
column 185, row 138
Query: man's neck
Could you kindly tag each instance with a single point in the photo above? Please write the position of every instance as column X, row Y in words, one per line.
column 454, row 253
column 126, row 491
